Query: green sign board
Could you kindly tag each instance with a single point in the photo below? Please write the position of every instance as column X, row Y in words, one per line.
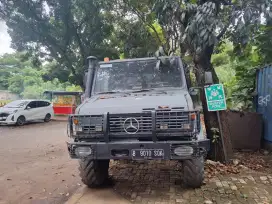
column 215, row 97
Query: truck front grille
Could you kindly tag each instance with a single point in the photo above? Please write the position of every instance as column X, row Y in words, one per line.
column 117, row 122
column 91, row 124
column 173, row 120
column 146, row 124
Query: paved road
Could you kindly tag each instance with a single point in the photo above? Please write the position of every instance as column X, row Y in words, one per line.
column 35, row 167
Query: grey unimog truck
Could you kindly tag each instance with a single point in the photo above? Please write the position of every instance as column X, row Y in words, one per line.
column 136, row 109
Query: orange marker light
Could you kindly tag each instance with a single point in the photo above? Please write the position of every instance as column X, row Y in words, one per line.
column 76, row 121
column 106, row 59
column 193, row 116
column 102, row 97
column 163, row 107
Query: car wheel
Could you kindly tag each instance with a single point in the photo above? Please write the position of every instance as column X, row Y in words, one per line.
column 21, row 121
column 47, row 118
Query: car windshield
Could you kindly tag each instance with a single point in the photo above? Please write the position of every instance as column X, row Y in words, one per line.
column 141, row 75
column 16, row 104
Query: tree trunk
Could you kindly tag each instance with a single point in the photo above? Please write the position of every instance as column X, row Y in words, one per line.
column 187, row 74
column 203, row 64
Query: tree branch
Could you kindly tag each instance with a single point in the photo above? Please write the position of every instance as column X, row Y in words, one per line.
column 138, row 13
column 223, row 31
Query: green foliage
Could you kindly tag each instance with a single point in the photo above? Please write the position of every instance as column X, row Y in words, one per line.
column 245, row 67
column 264, row 42
column 10, row 64
column 27, row 81
column 132, row 38
column 238, row 73
column 216, row 135
column 66, row 31
column 196, row 27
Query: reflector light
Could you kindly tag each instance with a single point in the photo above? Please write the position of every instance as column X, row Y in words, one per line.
column 193, row 116
column 163, row 107
column 76, row 121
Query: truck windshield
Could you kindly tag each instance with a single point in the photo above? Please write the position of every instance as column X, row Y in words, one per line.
column 138, row 75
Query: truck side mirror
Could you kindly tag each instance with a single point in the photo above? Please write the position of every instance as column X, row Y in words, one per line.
column 208, row 78
column 195, row 95
column 193, row 91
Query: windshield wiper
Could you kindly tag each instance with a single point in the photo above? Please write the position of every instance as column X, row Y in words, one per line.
column 142, row 90
column 147, row 90
column 108, row 92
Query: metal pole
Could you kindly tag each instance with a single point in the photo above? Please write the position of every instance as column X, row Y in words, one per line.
column 222, row 136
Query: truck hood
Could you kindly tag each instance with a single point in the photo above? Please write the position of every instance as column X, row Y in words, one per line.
column 134, row 103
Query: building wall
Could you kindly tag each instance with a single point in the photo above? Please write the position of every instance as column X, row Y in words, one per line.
column 7, row 96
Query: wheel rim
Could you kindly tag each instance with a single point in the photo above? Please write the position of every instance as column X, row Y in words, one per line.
column 47, row 117
column 20, row 121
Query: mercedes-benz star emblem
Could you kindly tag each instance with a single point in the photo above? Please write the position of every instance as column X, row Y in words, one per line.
column 131, row 126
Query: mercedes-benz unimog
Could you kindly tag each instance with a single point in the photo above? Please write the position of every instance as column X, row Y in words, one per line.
column 136, row 109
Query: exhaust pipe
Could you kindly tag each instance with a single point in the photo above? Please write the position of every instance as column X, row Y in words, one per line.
column 90, row 75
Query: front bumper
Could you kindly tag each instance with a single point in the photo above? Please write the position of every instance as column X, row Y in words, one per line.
column 7, row 123
column 8, row 120
column 103, row 150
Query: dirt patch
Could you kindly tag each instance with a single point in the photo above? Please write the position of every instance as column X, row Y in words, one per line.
column 35, row 166
column 260, row 160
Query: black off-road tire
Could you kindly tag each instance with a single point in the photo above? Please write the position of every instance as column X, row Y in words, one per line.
column 93, row 173
column 47, row 118
column 21, row 121
column 193, row 172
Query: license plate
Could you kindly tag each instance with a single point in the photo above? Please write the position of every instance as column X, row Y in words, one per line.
column 147, row 153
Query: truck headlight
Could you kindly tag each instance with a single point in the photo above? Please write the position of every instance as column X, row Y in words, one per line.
column 164, row 126
column 78, row 128
column 186, row 126
column 183, row 151
column 83, row 151
column 98, row 128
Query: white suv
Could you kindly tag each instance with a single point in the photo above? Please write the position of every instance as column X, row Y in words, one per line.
column 21, row 111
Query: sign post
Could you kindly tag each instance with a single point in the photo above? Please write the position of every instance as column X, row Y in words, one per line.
column 216, row 101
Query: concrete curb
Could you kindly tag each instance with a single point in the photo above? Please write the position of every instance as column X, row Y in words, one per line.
column 85, row 195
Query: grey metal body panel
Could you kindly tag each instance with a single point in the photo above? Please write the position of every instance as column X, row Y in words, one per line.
column 125, row 103
column 103, row 150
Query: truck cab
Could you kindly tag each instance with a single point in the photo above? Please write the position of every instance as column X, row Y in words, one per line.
column 136, row 109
